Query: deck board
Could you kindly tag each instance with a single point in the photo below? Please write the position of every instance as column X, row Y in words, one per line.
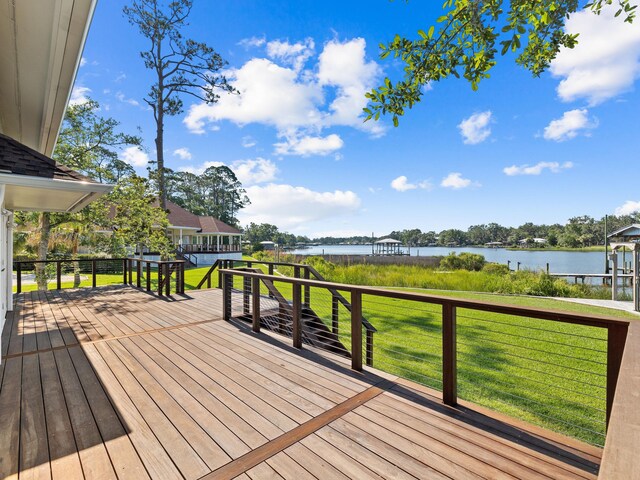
column 117, row 383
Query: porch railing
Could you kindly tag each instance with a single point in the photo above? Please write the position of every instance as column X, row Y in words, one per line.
column 555, row 369
column 200, row 248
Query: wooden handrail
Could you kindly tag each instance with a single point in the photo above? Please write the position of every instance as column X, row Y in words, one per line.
column 617, row 328
column 19, row 266
column 542, row 314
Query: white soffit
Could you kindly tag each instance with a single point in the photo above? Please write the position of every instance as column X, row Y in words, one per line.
column 41, row 45
column 43, row 194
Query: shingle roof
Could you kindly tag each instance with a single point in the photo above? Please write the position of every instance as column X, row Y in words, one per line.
column 213, row 225
column 18, row 159
column 179, row 217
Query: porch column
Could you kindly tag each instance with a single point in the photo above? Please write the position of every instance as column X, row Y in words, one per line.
column 180, row 237
column 218, row 242
column 9, row 270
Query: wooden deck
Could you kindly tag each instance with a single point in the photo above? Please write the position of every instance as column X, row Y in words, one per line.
column 116, row 383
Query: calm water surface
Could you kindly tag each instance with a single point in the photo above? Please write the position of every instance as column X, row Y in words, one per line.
column 559, row 262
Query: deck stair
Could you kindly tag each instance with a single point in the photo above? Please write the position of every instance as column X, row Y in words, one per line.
column 278, row 314
column 191, row 261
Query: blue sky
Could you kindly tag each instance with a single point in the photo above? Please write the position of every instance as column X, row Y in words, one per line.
column 520, row 149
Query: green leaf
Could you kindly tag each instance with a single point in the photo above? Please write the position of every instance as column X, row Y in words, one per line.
column 395, row 121
column 431, row 30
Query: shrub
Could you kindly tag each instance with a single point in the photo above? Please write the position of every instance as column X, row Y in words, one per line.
column 465, row 261
column 496, row 269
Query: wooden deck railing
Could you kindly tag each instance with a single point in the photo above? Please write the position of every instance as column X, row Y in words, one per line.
column 84, row 266
column 130, row 270
column 558, row 368
column 164, row 270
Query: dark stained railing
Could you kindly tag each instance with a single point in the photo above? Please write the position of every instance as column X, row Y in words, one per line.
column 55, row 270
column 301, row 271
column 127, row 271
column 138, row 270
column 556, row 369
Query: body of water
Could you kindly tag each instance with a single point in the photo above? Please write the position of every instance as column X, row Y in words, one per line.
column 559, row 262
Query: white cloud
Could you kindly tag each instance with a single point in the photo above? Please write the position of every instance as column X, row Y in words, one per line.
column 122, row 98
column 476, row 128
column 401, row 184
column 293, row 208
column 569, row 125
column 248, row 142
column 183, row 153
column 537, row 169
column 134, row 156
column 249, row 172
column 79, row 95
column 298, row 103
column 83, row 62
column 308, row 145
column 269, row 94
column 454, row 180
column 628, row 207
column 606, row 61
column 347, row 232
column 252, row 42
column 344, row 66
column 291, row 54
column 200, row 169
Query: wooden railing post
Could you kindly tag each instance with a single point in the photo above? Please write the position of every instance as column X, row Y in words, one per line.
column 255, row 295
column 130, row 268
column 138, row 273
column 226, row 296
column 449, row 361
column 616, row 338
column 270, row 273
column 93, row 273
column 124, row 271
column 160, row 273
column 148, row 274
column 181, row 284
column 59, row 275
column 167, row 279
column 307, row 290
column 18, row 277
column 356, row 330
column 335, row 312
column 296, row 315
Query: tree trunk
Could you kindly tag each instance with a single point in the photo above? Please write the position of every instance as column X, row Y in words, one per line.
column 160, row 158
column 44, row 225
column 74, row 254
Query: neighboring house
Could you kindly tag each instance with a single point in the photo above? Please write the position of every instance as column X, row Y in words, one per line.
column 268, row 245
column 41, row 48
column 203, row 239
column 538, row 241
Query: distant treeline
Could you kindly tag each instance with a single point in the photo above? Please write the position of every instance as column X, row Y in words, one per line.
column 584, row 231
